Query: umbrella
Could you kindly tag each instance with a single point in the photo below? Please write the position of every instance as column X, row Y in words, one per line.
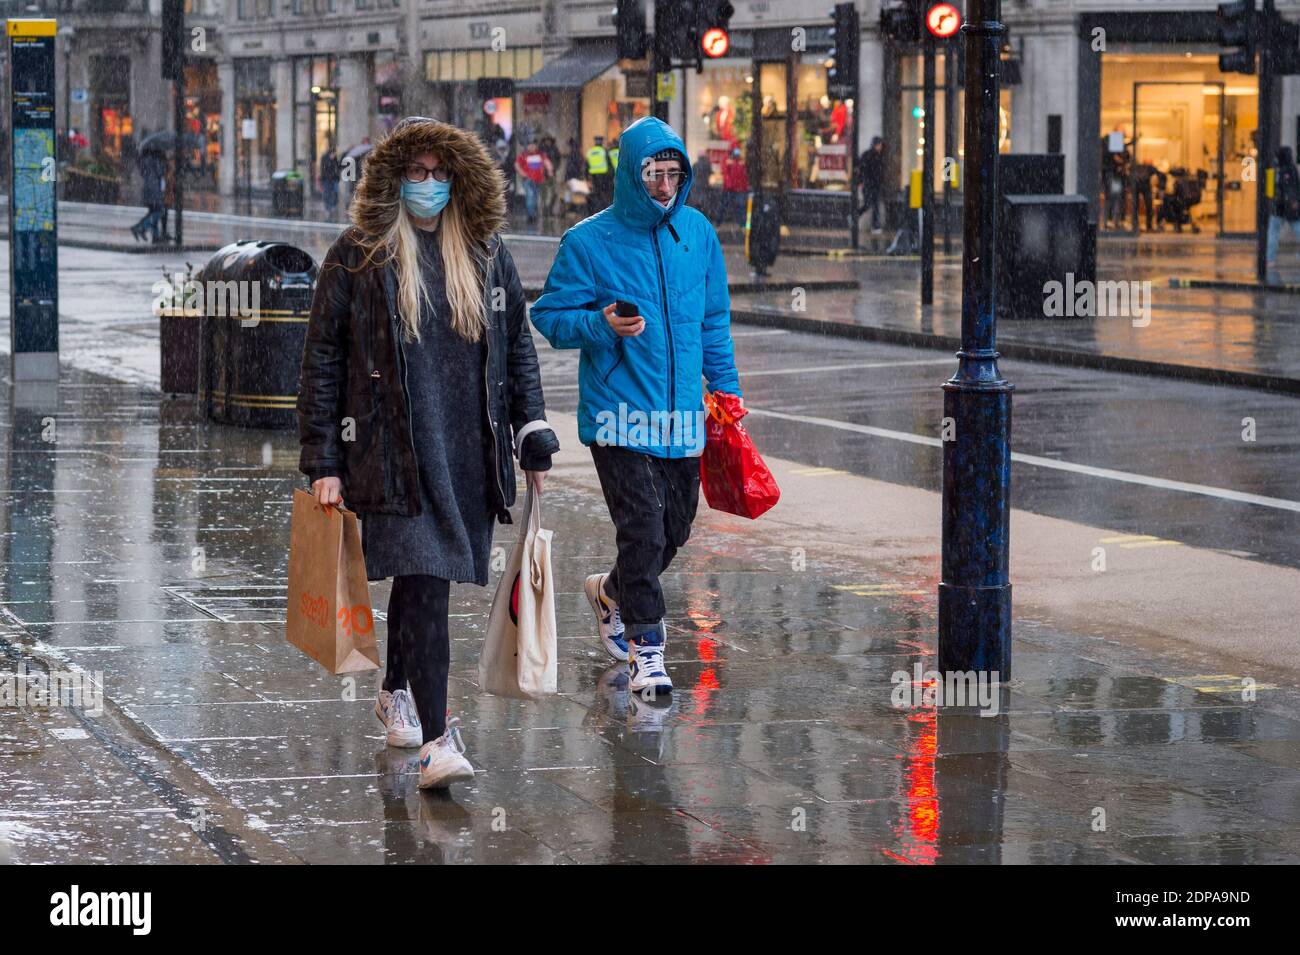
column 356, row 152
column 165, row 142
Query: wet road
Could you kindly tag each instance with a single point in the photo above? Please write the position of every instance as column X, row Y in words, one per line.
column 1069, row 427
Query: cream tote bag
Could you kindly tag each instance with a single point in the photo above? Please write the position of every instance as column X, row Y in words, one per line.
column 519, row 652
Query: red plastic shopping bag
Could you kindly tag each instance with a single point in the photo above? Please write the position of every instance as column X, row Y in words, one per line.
column 732, row 473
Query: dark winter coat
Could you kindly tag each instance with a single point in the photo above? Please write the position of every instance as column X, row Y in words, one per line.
column 353, row 359
column 1286, row 194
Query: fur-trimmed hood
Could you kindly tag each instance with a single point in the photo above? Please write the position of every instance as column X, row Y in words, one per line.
column 477, row 185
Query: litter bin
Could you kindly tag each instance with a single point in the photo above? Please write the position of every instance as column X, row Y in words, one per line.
column 257, row 298
column 286, row 193
column 1041, row 239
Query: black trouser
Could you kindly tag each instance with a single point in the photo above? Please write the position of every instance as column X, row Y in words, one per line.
column 419, row 647
column 652, row 503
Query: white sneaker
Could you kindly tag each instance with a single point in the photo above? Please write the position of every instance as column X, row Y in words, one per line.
column 397, row 712
column 442, row 760
column 608, row 622
column 646, row 668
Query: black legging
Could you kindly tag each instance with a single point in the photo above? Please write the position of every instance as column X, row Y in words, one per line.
column 419, row 648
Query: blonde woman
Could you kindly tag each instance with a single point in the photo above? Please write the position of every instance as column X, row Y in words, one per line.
column 419, row 380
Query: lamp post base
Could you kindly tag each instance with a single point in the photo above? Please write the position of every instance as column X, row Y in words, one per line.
column 975, row 629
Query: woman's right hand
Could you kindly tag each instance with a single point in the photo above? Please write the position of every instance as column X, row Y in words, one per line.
column 328, row 491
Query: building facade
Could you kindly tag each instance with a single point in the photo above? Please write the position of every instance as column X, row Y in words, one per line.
column 271, row 84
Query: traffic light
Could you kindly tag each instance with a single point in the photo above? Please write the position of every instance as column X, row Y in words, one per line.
column 629, row 21
column 714, row 21
column 901, row 21
column 676, row 31
column 842, row 65
column 1237, row 29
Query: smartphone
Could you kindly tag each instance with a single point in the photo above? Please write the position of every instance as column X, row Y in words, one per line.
column 625, row 309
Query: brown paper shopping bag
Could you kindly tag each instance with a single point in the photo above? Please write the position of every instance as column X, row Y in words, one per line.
column 329, row 615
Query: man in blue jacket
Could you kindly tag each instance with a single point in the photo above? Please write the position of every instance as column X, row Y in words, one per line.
column 640, row 405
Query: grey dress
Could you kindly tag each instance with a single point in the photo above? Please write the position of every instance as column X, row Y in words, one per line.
column 452, row 536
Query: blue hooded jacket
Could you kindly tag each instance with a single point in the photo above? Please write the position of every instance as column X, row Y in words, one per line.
column 643, row 392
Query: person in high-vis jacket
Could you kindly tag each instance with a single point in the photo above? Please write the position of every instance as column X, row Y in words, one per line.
column 600, row 170
column 640, row 405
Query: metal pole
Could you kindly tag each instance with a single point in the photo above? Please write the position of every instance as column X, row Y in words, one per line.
column 949, row 134
column 855, row 141
column 975, row 589
column 1267, row 138
column 927, row 176
column 178, row 147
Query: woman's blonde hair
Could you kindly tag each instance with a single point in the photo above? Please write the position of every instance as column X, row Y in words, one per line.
column 464, row 264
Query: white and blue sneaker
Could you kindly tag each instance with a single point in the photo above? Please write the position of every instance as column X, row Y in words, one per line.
column 442, row 760
column 397, row 712
column 608, row 622
column 647, row 675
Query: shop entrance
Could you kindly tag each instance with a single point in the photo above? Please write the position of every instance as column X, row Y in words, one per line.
column 1177, row 149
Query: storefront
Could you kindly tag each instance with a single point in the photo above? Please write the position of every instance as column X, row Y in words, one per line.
column 110, row 102
column 475, row 89
column 1159, row 126
column 203, row 121
column 581, row 94
column 254, row 121
column 769, row 107
column 1184, row 130
column 316, row 112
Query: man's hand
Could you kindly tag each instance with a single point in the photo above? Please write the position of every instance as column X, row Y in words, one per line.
column 328, row 490
column 535, row 479
column 625, row 326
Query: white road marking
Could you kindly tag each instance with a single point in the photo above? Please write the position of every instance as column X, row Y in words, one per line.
column 1109, row 474
column 855, row 366
column 813, row 369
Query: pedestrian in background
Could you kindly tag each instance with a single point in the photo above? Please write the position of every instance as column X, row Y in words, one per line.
column 735, row 185
column 152, row 186
column 550, row 190
column 600, row 170
column 1285, row 212
column 871, row 177
column 402, row 342
column 330, row 172
column 534, row 169
column 664, row 258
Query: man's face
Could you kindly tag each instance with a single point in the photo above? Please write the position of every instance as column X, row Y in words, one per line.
column 662, row 178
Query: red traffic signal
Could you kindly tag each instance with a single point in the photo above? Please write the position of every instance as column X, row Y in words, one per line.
column 943, row 20
column 715, row 42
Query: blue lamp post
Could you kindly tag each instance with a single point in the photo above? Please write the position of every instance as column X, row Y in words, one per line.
column 975, row 589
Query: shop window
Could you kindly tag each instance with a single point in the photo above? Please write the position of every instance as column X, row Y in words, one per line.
column 823, row 130
column 915, row 126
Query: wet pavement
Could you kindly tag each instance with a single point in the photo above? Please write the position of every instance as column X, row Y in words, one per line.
column 151, row 547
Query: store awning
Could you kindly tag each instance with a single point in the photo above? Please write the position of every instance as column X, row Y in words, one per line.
column 573, row 68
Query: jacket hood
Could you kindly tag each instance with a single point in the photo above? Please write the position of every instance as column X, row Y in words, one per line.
column 477, row 185
column 640, row 141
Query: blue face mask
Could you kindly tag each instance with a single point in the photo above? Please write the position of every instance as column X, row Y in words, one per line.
column 425, row 199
